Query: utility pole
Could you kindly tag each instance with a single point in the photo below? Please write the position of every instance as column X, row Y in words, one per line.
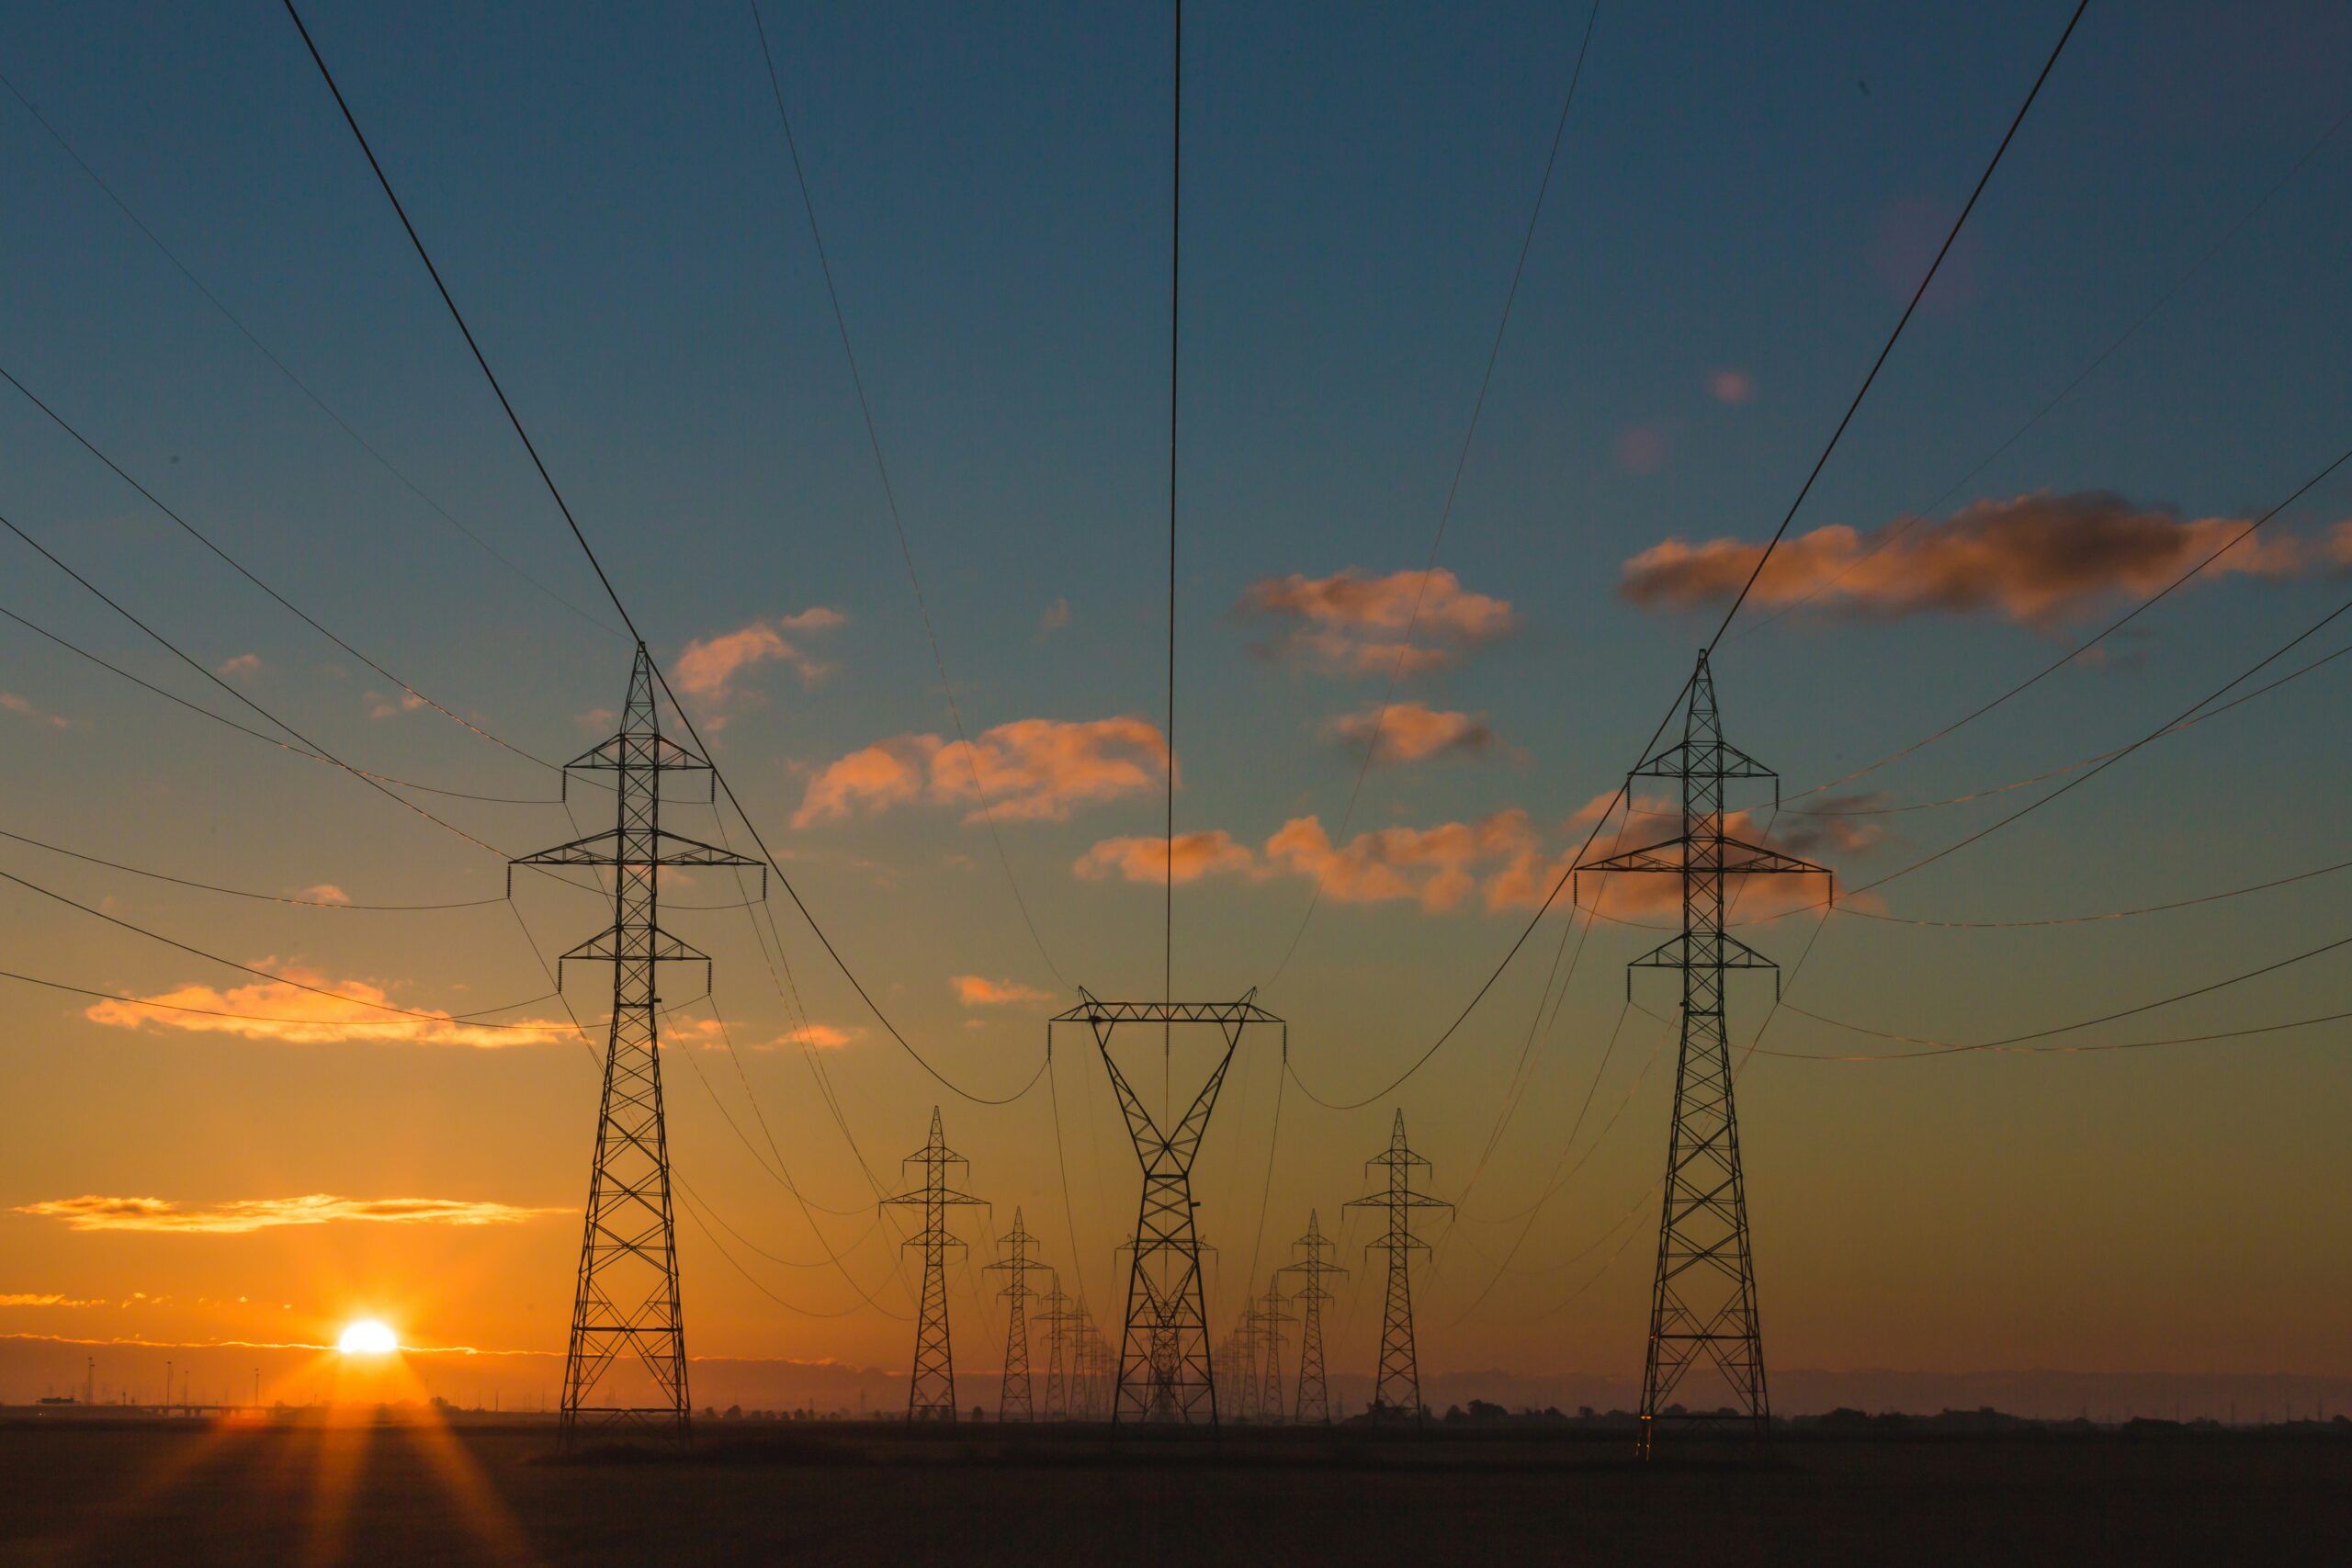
column 1165, row 1371
column 931, row 1392
column 1314, row 1393
column 1703, row 1298
column 1014, row 1402
column 1396, row 1393
column 627, row 1302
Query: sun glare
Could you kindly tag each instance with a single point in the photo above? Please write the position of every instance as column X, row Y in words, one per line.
column 367, row 1337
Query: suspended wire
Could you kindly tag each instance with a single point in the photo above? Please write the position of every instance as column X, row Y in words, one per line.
column 240, row 892
column 2043, row 1050
column 154, row 936
column 890, row 494
column 283, row 369
column 1905, row 524
column 2084, row 778
column 239, row 567
column 1892, row 338
column 604, row 579
column 2075, row 653
column 468, row 1019
column 1175, row 361
column 312, row 746
column 1622, row 791
column 1454, row 487
column 2104, row 915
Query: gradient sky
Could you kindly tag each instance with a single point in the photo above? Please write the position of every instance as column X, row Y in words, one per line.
column 1741, row 206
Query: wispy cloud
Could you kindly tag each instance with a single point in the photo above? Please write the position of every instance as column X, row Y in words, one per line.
column 979, row 991
column 1411, row 732
column 1056, row 617
column 274, row 1010
column 1210, row 852
column 1354, row 624
column 25, row 709
column 1035, row 769
column 242, row 668
column 93, row 1212
column 2037, row 559
column 708, row 666
column 50, row 1299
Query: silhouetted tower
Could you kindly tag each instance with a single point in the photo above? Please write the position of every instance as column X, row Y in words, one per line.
column 1271, row 1318
column 931, row 1392
column 1702, row 1303
column 1248, row 1338
column 1164, row 1361
column 1059, row 1317
column 1013, row 1401
column 1313, row 1391
column 1396, row 1393
column 626, row 1304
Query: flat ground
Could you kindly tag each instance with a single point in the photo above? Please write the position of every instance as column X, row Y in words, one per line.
column 188, row 1493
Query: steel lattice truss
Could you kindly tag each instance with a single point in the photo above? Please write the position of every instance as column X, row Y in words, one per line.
column 1059, row 1317
column 1014, row 1401
column 1269, row 1319
column 1314, row 1403
column 1702, row 1304
column 1396, row 1393
column 1165, row 1370
column 627, row 1304
column 931, row 1390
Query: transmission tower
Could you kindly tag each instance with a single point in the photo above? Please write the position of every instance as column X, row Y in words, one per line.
column 1014, row 1402
column 1314, row 1393
column 1249, row 1336
column 1271, row 1318
column 627, row 1303
column 1396, row 1393
column 1059, row 1317
column 1702, row 1303
column 931, row 1392
column 1164, row 1362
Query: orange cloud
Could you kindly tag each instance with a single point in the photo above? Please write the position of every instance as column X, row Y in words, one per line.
column 978, row 991
column 240, row 1216
column 239, row 668
column 1033, row 769
column 270, row 1009
column 1352, row 624
column 707, row 666
column 382, row 706
column 28, row 1299
column 24, row 707
column 1409, row 731
column 708, row 1033
column 1435, row 866
column 323, row 893
column 1147, row 860
column 2036, row 560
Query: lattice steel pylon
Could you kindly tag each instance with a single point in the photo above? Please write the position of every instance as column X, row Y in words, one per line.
column 1702, row 1301
column 1248, row 1338
column 1013, row 1398
column 931, row 1390
column 627, row 1303
column 1397, row 1392
column 1313, row 1403
column 1271, row 1318
column 1165, row 1373
column 1059, row 1317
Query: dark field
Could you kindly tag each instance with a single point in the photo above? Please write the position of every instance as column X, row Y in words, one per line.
column 164, row 1493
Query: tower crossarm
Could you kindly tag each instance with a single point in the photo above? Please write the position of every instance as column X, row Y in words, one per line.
column 1739, row 858
column 608, row 849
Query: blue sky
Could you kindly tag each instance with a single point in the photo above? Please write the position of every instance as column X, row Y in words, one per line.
column 605, row 190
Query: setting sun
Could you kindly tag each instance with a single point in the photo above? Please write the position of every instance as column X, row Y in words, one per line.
column 367, row 1337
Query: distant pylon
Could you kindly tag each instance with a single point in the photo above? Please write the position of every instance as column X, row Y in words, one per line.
column 1059, row 1317
column 1248, row 1335
column 1271, row 1318
column 931, row 1392
column 1014, row 1400
column 1165, row 1371
column 1702, row 1299
column 1313, row 1403
column 1396, row 1393
column 626, row 1301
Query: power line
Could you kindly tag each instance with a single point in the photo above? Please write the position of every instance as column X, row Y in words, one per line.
column 890, row 494
column 1453, row 488
column 314, row 747
column 1175, row 360
column 468, row 1019
column 580, row 537
column 1904, row 525
column 239, row 567
column 241, row 892
column 1622, row 791
column 1892, row 338
column 2041, row 1050
column 267, row 353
